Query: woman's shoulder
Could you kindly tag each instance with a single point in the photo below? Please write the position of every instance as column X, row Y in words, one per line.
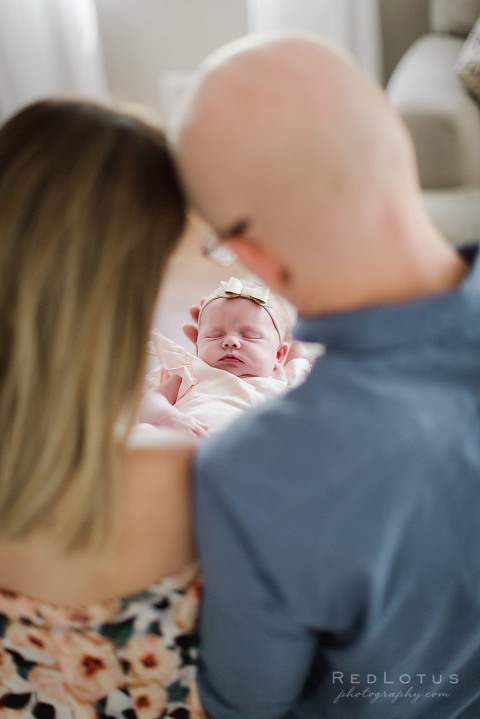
column 154, row 539
column 159, row 458
column 159, row 442
column 157, row 532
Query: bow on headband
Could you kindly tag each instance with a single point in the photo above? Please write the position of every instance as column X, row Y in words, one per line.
column 234, row 288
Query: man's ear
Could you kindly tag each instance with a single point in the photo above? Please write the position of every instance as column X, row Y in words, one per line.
column 261, row 261
column 282, row 352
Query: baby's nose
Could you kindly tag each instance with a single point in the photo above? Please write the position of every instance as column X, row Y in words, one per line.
column 231, row 340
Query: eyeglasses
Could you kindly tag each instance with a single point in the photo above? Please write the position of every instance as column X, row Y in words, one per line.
column 219, row 253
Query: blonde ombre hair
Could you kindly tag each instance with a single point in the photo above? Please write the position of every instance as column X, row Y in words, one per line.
column 90, row 210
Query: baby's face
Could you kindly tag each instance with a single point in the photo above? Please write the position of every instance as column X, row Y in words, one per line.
column 239, row 336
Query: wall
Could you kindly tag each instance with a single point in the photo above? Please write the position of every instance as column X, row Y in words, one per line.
column 49, row 48
column 354, row 24
column 148, row 44
column 402, row 22
column 146, row 40
column 145, row 43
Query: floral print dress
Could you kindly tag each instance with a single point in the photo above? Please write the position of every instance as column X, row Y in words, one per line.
column 131, row 658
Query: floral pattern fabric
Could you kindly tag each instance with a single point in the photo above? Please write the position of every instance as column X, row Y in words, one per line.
column 132, row 658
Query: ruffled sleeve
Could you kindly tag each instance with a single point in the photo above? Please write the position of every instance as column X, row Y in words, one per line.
column 297, row 371
column 173, row 360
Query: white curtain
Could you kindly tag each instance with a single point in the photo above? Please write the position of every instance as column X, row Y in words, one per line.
column 354, row 24
column 49, row 47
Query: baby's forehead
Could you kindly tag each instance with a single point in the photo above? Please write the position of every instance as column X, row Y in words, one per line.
column 235, row 308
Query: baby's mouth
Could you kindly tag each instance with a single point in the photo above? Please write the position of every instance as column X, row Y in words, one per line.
column 231, row 359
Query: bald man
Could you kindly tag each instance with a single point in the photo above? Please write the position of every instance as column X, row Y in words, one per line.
column 338, row 526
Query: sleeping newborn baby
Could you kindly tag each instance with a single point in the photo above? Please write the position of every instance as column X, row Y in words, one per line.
column 239, row 362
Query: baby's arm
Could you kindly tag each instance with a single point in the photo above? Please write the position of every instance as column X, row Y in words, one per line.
column 157, row 408
column 170, row 388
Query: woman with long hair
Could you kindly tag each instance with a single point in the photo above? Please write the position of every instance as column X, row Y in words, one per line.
column 98, row 590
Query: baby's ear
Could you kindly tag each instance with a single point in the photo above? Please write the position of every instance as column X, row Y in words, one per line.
column 282, row 352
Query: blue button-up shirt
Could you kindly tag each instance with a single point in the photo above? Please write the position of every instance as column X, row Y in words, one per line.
column 339, row 526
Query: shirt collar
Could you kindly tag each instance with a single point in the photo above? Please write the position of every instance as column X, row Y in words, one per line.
column 399, row 324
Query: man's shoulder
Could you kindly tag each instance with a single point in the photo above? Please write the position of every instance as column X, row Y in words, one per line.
column 326, row 435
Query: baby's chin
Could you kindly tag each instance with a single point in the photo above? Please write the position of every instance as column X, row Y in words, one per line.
column 235, row 369
column 242, row 371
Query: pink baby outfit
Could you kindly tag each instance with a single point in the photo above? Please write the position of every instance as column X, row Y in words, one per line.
column 214, row 396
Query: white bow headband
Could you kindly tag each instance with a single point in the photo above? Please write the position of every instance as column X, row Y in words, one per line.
column 234, row 288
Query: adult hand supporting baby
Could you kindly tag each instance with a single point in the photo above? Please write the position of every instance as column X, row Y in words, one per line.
column 191, row 331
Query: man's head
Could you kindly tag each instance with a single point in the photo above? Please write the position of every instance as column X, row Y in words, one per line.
column 298, row 162
column 241, row 335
